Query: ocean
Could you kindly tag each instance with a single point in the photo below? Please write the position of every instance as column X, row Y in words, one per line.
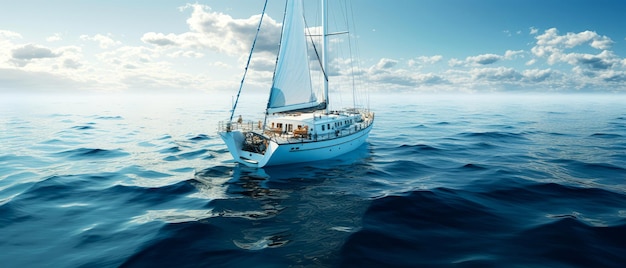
column 444, row 180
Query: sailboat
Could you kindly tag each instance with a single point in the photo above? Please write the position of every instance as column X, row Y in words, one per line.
column 297, row 126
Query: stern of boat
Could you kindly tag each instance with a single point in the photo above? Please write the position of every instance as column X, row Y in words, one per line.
column 245, row 145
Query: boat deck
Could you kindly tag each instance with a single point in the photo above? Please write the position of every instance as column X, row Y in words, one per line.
column 290, row 137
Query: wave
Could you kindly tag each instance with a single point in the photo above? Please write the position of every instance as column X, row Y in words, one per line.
column 83, row 127
column 446, row 226
column 606, row 136
column 419, row 147
column 116, row 117
column 150, row 195
column 588, row 169
column 82, row 153
column 201, row 153
column 191, row 244
column 200, row 137
column 497, row 135
column 173, row 149
column 567, row 240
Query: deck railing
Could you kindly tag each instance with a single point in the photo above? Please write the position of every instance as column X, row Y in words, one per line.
column 290, row 137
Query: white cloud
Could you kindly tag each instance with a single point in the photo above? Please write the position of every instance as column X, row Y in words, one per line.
column 551, row 39
column 103, row 40
column 4, row 34
column 495, row 74
column 385, row 63
column 220, row 32
column 430, row 79
column 557, row 48
column 422, row 60
column 54, row 38
column 534, row 30
column 454, row 62
column 211, row 52
column 22, row 55
column 32, row 51
column 484, row 59
column 432, row 59
column 71, row 64
column 510, row 54
column 159, row 39
column 618, row 77
column 537, row 75
column 186, row 54
column 601, row 61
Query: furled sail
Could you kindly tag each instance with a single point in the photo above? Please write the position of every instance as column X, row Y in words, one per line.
column 291, row 88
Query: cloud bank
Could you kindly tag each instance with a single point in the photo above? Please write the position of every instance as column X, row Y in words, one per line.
column 210, row 55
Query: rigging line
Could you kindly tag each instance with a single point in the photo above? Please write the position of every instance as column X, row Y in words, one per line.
column 317, row 55
column 275, row 64
column 350, row 48
column 351, row 18
column 258, row 29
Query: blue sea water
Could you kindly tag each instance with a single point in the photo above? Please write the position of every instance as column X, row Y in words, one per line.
column 468, row 180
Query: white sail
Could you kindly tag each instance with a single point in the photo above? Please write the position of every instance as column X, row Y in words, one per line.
column 292, row 89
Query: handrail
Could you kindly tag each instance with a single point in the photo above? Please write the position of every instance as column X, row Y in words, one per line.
column 290, row 138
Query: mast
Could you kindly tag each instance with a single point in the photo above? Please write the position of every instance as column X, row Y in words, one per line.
column 324, row 53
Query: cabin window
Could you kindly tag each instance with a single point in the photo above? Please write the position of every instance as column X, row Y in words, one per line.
column 323, row 128
column 289, row 127
column 279, row 125
column 328, row 126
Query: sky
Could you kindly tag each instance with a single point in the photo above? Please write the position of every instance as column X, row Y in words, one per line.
column 415, row 46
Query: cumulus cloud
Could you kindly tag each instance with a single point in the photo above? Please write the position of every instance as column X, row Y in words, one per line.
column 220, row 32
column 553, row 46
column 32, row 51
column 557, row 48
column 534, row 30
column 103, row 40
column 454, row 62
column 4, row 34
column 537, row 75
column 166, row 60
column 430, row 79
column 512, row 54
column 486, row 59
column 483, row 59
column 385, row 63
column 385, row 73
column 614, row 77
column 71, row 64
column 186, row 54
column 54, row 38
column 159, row 39
column 496, row 74
column 421, row 60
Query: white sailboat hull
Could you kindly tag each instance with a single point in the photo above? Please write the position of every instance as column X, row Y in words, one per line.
column 293, row 152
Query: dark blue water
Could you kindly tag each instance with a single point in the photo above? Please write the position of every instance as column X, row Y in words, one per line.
column 505, row 181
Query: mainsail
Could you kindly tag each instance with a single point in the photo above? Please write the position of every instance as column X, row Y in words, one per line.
column 292, row 88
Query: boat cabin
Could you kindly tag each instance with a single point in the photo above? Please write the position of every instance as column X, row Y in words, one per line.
column 312, row 125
